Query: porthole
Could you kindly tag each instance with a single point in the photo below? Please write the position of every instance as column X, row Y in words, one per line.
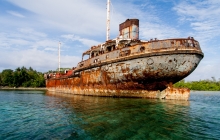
column 142, row 48
column 150, row 61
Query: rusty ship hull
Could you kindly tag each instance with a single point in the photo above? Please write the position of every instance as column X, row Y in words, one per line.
column 143, row 74
column 129, row 67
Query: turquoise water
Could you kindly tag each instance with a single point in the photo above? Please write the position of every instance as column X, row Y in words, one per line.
column 41, row 115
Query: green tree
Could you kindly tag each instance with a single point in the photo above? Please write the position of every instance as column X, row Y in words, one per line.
column 205, row 85
column 7, row 77
column 30, row 69
column 0, row 79
column 16, row 79
column 22, row 77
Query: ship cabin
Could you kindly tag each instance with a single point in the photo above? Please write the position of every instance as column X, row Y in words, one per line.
column 128, row 36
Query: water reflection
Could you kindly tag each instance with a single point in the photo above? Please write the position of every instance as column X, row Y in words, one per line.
column 119, row 118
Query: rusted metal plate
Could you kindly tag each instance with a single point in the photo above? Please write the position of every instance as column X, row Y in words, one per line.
column 170, row 94
column 128, row 23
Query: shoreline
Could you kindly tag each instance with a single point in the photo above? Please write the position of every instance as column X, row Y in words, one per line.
column 23, row 88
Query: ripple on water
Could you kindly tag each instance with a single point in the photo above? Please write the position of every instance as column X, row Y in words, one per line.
column 36, row 115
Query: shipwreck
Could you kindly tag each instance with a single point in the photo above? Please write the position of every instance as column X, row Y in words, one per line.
column 130, row 67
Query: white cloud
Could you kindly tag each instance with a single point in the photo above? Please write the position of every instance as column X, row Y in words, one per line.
column 80, row 17
column 39, row 60
column 16, row 14
column 149, row 30
column 8, row 41
column 203, row 17
column 205, row 71
column 45, row 44
column 31, row 32
column 27, row 47
column 84, row 41
column 24, row 38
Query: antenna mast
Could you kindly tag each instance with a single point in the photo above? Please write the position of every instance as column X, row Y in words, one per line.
column 108, row 20
column 59, row 56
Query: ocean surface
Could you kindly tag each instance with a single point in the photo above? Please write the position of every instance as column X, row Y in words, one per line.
column 40, row 115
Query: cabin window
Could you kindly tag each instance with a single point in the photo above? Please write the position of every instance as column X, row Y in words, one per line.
column 81, row 64
column 102, row 51
column 113, row 47
column 121, row 54
column 92, row 55
column 85, row 57
column 127, row 52
column 128, row 45
column 96, row 60
column 108, row 49
column 186, row 43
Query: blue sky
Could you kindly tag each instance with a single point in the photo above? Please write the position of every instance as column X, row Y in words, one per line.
column 30, row 30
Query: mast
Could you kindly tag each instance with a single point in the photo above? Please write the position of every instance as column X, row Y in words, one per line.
column 59, row 56
column 108, row 20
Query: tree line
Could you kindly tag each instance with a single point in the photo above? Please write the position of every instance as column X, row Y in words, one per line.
column 21, row 77
column 202, row 85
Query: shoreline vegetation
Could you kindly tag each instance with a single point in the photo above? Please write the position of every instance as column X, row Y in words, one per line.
column 202, row 85
column 22, row 77
column 23, row 88
column 30, row 79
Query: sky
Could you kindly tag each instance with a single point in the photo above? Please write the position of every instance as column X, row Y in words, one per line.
column 30, row 31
